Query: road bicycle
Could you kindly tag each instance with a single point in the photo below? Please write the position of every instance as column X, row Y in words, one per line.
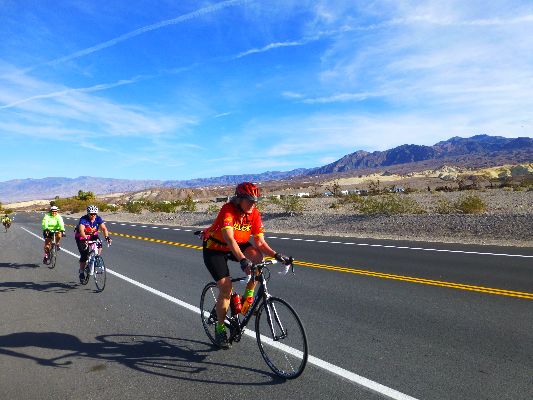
column 6, row 225
column 52, row 253
column 95, row 266
column 279, row 331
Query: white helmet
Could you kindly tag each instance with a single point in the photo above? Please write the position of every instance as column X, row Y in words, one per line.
column 92, row 210
column 54, row 208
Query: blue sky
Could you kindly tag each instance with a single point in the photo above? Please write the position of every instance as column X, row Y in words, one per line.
column 189, row 89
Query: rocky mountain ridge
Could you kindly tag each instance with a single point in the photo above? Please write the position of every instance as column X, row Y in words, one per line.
column 476, row 151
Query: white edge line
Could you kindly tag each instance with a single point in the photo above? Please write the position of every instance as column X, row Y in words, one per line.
column 360, row 380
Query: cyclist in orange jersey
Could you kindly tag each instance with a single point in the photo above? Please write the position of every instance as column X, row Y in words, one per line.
column 228, row 239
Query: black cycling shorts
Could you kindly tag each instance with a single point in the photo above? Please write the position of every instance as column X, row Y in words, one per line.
column 84, row 249
column 217, row 261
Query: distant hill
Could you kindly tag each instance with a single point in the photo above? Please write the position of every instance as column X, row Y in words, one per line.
column 476, row 151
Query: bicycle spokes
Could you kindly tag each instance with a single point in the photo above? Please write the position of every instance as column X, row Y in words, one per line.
column 281, row 338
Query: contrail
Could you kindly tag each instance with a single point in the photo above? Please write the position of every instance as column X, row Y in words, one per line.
column 95, row 88
column 272, row 46
column 140, row 31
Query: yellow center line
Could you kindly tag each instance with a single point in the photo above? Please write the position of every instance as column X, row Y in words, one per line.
column 381, row 275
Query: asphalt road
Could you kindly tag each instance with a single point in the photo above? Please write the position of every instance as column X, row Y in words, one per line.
column 384, row 319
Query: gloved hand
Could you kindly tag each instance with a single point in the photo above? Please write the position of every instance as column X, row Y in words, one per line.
column 286, row 261
column 246, row 266
column 282, row 258
column 108, row 240
column 47, row 232
column 63, row 234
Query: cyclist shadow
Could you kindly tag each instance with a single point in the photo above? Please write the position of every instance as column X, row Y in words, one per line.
column 175, row 358
column 18, row 266
column 46, row 287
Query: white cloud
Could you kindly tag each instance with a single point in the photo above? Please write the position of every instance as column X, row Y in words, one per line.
column 63, row 113
column 292, row 95
column 321, row 135
column 112, row 42
column 340, row 97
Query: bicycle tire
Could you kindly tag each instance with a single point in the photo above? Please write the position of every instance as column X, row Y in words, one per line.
column 208, row 302
column 87, row 269
column 286, row 354
column 99, row 273
column 52, row 256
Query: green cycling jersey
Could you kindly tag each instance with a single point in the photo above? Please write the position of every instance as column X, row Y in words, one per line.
column 53, row 223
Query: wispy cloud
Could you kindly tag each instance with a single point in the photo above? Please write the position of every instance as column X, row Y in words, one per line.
column 275, row 45
column 225, row 114
column 292, row 95
column 65, row 92
column 76, row 114
column 112, row 42
column 92, row 146
column 340, row 97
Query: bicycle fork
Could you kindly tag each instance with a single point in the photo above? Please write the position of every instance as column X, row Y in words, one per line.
column 274, row 322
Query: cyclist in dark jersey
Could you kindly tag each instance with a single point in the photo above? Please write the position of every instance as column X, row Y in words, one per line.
column 228, row 239
column 87, row 229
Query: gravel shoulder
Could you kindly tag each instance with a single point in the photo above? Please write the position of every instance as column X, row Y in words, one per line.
column 508, row 220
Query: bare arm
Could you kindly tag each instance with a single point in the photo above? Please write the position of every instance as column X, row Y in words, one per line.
column 263, row 246
column 104, row 230
column 227, row 234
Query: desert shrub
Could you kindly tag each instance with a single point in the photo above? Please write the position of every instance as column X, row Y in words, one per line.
column 471, row 204
column 188, row 204
column 107, row 207
column 445, row 207
column 388, row 205
column 75, row 205
column 134, row 207
column 212, row 209
column 350, row 198
column 272, row 200
column 291, row 204
column 162, row 206
column 85, row 196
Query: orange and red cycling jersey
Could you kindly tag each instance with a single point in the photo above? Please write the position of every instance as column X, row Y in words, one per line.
column 244, row 225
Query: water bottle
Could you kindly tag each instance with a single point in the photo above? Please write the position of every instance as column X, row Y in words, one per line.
column 235, row 304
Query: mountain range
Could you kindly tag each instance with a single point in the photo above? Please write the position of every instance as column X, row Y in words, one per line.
column 476, row 151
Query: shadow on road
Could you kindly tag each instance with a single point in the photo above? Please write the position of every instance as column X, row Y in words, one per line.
column 164, row 356
column 48, row 287
column 18, row 266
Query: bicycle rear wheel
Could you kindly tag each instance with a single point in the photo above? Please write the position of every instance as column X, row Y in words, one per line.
column 208, row 312
column 281, row 338
column 99, row 273
column 53, row 256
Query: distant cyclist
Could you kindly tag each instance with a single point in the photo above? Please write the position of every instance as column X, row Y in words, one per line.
column 6, row 221
column 228, row 239
column 52, row 224
column 87, row 229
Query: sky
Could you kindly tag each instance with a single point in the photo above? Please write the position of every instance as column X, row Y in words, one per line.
column 188, row 89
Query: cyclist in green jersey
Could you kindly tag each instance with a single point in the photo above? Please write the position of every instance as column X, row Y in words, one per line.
column 52, row 224
column 6, row 221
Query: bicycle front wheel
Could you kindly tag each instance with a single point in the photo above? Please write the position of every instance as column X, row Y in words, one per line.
column 281, row 338
column 208, row 312
column 53, row 256
column 99, row 273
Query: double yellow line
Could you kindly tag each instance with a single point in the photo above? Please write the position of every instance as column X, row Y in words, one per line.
column 423, row 281
column 453, row 285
